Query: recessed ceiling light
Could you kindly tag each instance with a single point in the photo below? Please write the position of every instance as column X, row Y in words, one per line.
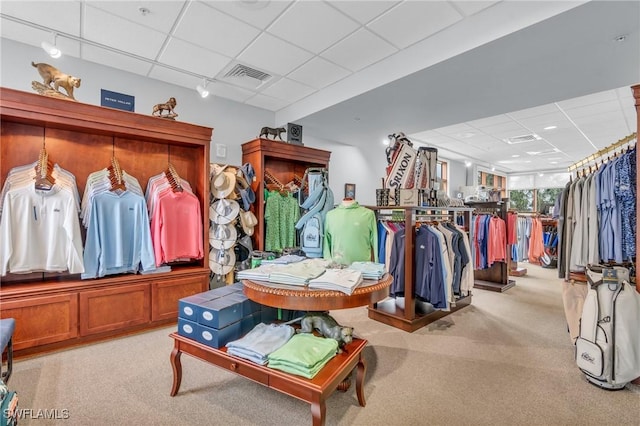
column 541, row 174
column 553, row 162
column 144, row 11
column 467, row 163
column 620, row 38
column 493, row 168
column 550, row 127
column 466, row 135
column 515, row 155
column 385, row 141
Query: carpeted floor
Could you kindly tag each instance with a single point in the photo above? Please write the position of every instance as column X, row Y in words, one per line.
column 505, row 360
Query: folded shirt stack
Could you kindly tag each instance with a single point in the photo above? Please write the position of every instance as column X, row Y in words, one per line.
column 344, row 280
column 261, row 273
column 370, row 270
column 262, row 340
column 284, row 260
column 299, row 273
column 303, row 355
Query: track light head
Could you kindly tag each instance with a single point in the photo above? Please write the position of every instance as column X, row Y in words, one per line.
column 202, row 91
column 51, row 49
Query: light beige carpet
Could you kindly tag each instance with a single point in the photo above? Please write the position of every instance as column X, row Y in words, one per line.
column 505, row 360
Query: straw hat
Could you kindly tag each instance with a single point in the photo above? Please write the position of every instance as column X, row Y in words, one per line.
column 222, row 236
column 221, row 262
column 248, row 220
column 223, row 182
column 223, row 211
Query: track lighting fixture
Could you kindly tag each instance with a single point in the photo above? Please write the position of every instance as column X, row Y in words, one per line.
column 202, row 89
column 51, row 49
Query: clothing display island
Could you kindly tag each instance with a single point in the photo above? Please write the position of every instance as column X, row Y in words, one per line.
column 336, row 374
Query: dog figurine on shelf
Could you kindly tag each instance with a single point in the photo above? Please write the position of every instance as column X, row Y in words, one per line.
column 278, row 131
column 51, row 74
column 167, row 106
column 327, row 326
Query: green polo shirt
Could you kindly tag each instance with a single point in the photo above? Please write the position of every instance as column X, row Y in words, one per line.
column 350, row 234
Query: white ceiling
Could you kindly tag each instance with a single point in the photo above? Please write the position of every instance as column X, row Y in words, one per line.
column 458, row 75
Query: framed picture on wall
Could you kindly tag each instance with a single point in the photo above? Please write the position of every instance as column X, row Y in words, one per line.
column 350, row 190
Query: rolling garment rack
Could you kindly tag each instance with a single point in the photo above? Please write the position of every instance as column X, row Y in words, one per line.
column 387, row 311
column 496, row 277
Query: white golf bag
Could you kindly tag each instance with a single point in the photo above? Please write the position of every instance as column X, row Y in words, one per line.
column 608, row 347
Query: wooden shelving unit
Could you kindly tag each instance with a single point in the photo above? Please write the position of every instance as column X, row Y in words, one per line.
column 54, row 310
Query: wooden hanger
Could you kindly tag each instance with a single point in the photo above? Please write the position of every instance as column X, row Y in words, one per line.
column 115, row 176
column 44, row 169
column 174, row 179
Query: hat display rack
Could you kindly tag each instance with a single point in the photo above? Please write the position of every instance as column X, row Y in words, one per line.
column 231, row 220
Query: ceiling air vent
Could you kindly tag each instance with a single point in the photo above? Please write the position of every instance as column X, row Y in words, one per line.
column 244, row 71
column 522, row 139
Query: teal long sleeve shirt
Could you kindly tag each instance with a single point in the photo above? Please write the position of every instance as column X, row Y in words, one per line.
column 350, row 234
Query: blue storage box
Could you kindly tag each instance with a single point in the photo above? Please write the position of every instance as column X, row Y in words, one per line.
column 217, row 292
column 219, row 313
column 249, row 322
column 189, row 307
column 269, row 314
column 248, row 306
column 188, row 328
column 217, row 338
column 238, row 287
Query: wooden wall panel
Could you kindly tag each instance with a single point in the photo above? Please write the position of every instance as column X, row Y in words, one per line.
column 165, row 295
column 42, row 320
column 115, row 308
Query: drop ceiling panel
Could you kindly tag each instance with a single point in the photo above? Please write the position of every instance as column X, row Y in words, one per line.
column 509, row 129
column 458, row 129
column 108, row 29
column 271, row 53
column 288, row 90
column 202, row 61
column 181, row 79
column 266, row 102
column 312, row 25
column 115, row 60
column 533, row 112
column 469, row 8
column 318, row 73
column 539, row 122
column 363, row 11
column 595, row 98
column 213, row 30
column 489, row 121
column 608, row 107
column 412, row 21
column 161, row 16
column 46, row 13
column 359, row 50
column 229, row 92
column 259, row 13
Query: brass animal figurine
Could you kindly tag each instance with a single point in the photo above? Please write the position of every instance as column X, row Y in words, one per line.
column 51, row 74
column 327, row 326
column 167, row 106
column 266, row 131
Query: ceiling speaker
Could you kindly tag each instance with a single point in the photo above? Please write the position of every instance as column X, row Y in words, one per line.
column 294, row 133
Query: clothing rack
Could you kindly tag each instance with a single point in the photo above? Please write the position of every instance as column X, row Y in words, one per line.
column 496, row 277
column 604, row 151
column 514, row 269
column 387, row 311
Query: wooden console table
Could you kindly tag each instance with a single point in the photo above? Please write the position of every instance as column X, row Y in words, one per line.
column 314, row 391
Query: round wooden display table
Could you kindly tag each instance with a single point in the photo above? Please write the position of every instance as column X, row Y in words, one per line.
column 305, row 299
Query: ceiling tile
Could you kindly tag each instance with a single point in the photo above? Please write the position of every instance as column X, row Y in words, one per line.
column 539, row 122
column 363, row 11
column 318, row 73
column 608, row 107
column 359, row 50
column 110, row 30
column 230, row 92
column 200, row 60
column 161, row 15
column 489, row 121
column 413, row 21
column 288, row 90
column 266, row 102
column 115, row 60
column 180, row 79
column 595, row 98
column 214, row 30
column 312, row 25
column 533, row 112
column 455, row 129
column 259, row 13
column 46, row 13
column 471, row 7
column 270, row 53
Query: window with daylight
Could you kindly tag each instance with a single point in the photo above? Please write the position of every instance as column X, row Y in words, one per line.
column 441, row 175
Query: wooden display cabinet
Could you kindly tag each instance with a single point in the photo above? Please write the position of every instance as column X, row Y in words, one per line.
column 284, row 161
column 59, row 309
